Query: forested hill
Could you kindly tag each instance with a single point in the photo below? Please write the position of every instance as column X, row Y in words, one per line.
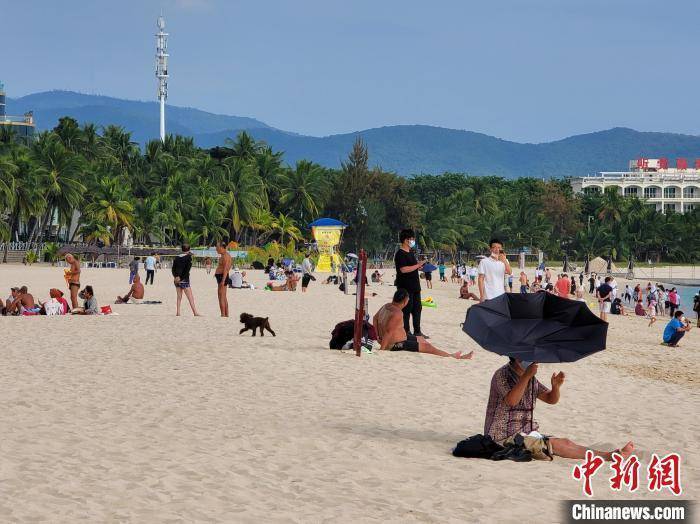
column 406, row 149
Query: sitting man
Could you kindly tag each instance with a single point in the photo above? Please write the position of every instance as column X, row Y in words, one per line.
column 56, row 300
column 675, row 330
column 24, row 303
column 90, row 306
column 514, row 392
column 10, row 300
column 388, row 322
column 465, row 293
column 135, row 294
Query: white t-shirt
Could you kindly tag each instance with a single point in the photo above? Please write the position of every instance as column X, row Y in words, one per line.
column 236, row 279
column 494, row 272
column 150, row 263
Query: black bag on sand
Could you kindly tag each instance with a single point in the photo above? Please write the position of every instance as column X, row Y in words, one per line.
column 476, row 446
column 515, row 451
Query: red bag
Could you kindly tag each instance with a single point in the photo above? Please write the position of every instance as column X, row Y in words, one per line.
column 106, row 310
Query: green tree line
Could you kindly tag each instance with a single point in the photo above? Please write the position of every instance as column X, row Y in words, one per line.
column 99, row 185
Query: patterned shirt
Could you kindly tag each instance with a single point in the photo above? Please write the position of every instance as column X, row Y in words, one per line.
column 503, row 421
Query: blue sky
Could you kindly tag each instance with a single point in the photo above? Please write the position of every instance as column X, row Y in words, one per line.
column 526, row 70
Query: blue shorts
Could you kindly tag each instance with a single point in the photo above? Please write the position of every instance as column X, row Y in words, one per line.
column 183, row 284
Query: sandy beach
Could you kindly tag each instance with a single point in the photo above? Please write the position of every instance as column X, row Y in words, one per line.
column 145, row 417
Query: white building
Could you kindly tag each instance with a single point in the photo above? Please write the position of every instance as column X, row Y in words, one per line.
column 668, row 188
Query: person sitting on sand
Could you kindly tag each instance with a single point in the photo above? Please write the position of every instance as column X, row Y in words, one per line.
column 10, row 299
column 617, row 307
column 288, row 285
column 388, row 322
column 465, row 293
column 56, row 296
column 377, row 277
column 24, row 303
column 135, row 294
column 639, row 309
column 676, row 329
column 90, row 306
column 509, row 412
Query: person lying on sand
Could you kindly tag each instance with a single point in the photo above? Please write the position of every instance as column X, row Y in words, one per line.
column 388, row 322
column 135, row 294
column 289, row 285
column 512, row 400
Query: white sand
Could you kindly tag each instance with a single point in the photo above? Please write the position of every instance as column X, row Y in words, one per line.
column 144, row 417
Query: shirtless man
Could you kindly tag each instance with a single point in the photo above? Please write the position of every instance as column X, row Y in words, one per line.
column 222, row 278
column 23, row 302
column 388, row 322
column 73, row 277
column 136, row 292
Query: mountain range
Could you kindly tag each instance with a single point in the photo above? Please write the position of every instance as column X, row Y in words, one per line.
column 405, row 149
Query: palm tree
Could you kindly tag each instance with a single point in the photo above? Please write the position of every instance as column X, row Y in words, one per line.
column 302, row 191
column 111, row 206
column 59, row 172
column 244, row 189
column 260, row 222
column 208, row 219
column 244, row 146
column 284, row 226
column 93, row 232
column 148, row 220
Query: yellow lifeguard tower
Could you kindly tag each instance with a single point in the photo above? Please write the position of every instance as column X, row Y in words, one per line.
column 327, row 233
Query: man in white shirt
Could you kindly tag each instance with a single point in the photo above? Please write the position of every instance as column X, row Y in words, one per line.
column 150, row 265
column 492, row 272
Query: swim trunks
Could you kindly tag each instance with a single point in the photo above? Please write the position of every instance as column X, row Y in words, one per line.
column 220, row 276
column 410, row 344
column 183, row 284
column 71, row 284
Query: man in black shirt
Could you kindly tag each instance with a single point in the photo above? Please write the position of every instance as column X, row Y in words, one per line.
column 407, row 278
column 605, row 298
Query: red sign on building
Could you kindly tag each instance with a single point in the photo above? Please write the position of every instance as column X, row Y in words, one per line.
column 663, row 163
column 697, row 163
column 681, row 163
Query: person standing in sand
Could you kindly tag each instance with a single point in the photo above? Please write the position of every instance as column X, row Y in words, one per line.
column 181, row 278
column 150, row 265
column 407, row 267
column 222, row 279
column 509, row 412
column 492, row 272
column 72, row 275
column 388, row 322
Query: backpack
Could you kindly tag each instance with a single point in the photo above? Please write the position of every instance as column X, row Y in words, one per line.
column 476, row 446
column 343, row 332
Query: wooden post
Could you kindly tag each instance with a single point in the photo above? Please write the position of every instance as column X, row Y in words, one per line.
column 360, row 302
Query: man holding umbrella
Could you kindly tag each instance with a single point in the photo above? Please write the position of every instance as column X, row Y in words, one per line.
column 512, row 400
column 531, row 328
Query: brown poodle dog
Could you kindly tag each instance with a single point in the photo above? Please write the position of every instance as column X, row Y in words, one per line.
column 254, row 323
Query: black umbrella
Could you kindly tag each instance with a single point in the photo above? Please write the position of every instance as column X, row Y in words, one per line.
column 536, row 327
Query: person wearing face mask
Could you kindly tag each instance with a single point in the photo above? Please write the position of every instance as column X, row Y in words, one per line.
column 407, row 278
column 492, row 272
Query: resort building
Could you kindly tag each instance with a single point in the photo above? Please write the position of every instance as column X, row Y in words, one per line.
column 653, row 180
column 22, row 127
